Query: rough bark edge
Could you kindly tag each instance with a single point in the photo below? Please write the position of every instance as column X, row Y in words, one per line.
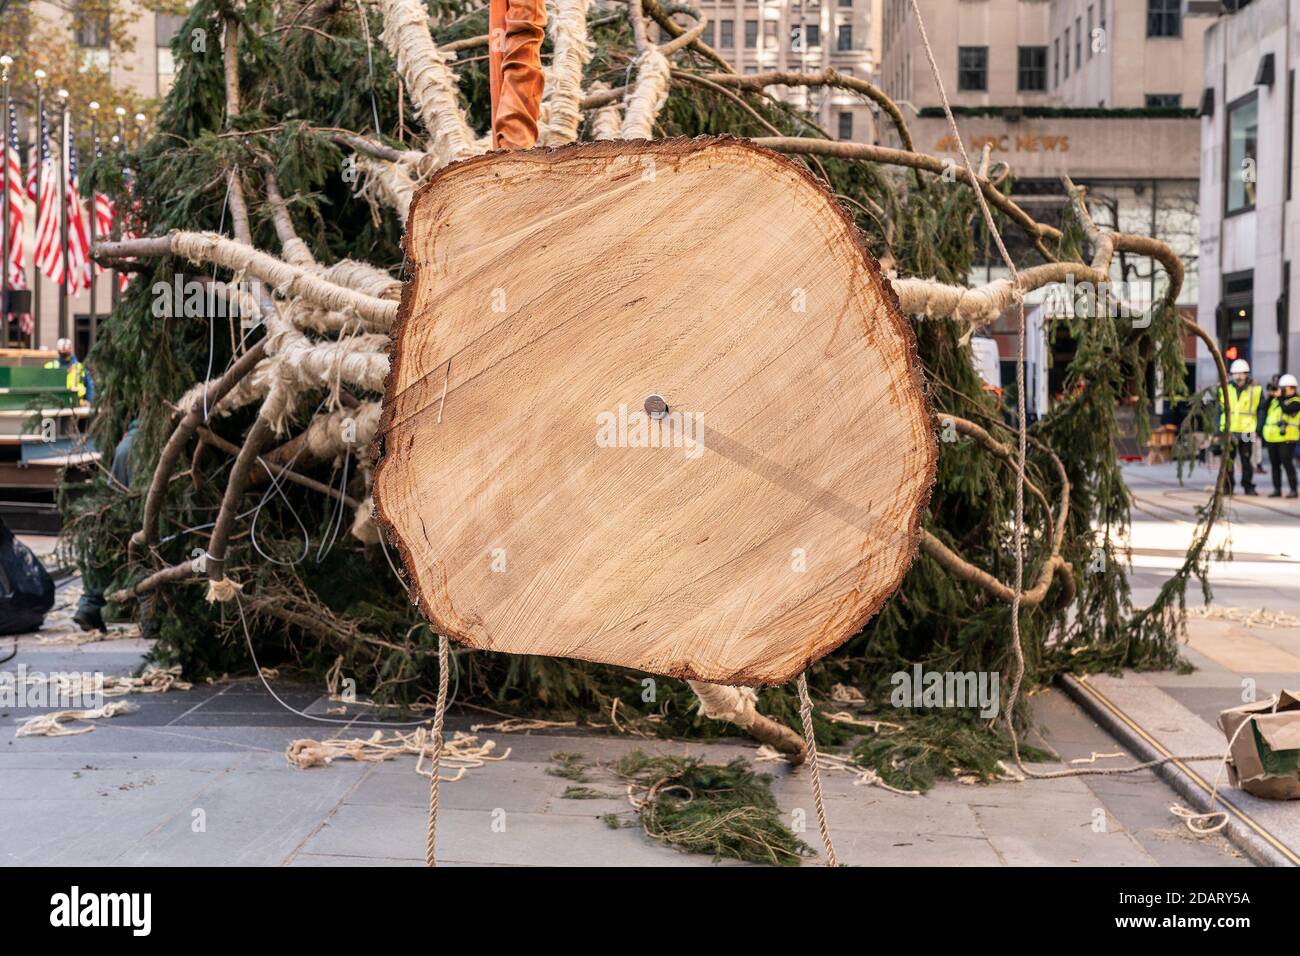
column 456, row 628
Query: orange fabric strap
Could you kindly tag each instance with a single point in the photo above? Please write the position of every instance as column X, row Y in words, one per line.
column 515, row 31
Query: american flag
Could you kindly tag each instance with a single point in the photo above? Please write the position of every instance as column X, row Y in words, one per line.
column 13, row 184
column 78, row 229
column 45, row 192
column 103, row 216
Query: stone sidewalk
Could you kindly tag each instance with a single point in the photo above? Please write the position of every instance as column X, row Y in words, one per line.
column 1246, row 645
column 199, row 777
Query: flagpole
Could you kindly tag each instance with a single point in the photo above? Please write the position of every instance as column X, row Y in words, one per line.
column 40, row 169
column 63, row 216
column 6, row 61
column 116, row 284
column 94, row 154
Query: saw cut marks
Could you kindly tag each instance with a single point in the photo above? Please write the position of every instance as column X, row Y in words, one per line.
column 651, row 404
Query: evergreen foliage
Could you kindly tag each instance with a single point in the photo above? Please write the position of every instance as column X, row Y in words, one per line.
column 308, row 69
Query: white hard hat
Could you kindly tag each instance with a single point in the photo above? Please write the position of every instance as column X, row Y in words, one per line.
column 63, row 345
column 1241, row 365
column 1287, row 380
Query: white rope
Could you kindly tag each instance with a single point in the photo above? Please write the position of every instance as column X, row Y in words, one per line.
column 1190, row 817
column 814, row 765
column 435, row 759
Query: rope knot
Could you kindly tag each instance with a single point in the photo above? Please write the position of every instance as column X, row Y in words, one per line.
column 223, row 590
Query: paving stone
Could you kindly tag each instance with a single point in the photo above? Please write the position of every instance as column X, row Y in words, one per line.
column 509, row 785
column 1163, row 835
column 528, row 839
column 251, row 819
column 54, row 832
column 140, row 740
column 320, row 859
column 856, row 847
column 872, row 809
column 1057, row 837
column 14, row 763
column 120, row 785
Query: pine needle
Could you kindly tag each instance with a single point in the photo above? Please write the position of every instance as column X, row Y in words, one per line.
column 722, row 810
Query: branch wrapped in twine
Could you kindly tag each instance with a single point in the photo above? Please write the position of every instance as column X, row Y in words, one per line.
column 429, row 80
column 562, row 96
column 607, row 122
column 738, row 705
column 289, row 280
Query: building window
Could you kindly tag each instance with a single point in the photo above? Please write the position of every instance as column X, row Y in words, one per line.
column 751, row 34
column 1164, row 18
column 708, row 33
column 844, row 37
column 846, row 3
column 813, row 33
column 1164, row 100
column 1090, row 33
column 1078, row 42
column 1067, row 53
column 1033, row 69
column 165, row 28
column 91, row 26
column 770, row 35
column 1235, row 319
column 973, row 68
column 1243, row 131
column 728, row 34
column 846, row 126
column 1056, row 63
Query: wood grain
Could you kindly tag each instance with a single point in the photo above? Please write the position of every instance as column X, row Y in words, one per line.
column 551, row 292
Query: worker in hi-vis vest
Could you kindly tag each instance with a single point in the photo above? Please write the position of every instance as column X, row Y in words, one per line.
column 1239, row 418
column 1281, row 431
column 77, row 378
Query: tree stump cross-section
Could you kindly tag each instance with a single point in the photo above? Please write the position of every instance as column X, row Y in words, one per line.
column 651, row 404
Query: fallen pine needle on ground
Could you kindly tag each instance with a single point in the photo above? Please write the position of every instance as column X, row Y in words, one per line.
column 725, row 810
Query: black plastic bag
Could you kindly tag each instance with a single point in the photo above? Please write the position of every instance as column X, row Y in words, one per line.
column 26, row 588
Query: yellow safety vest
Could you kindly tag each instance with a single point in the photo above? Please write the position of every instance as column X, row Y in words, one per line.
column 1279, row 426
column 76, row 377
column 1242, row 408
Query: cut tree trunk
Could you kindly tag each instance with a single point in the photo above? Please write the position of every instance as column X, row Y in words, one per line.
column 555, row 297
